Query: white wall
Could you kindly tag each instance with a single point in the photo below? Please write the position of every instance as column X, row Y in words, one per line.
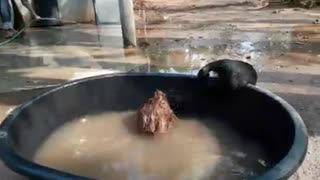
column 108, row 11
column 77, row 10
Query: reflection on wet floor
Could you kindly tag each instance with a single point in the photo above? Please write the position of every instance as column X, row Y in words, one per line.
column 273, row 40
column 178, row 41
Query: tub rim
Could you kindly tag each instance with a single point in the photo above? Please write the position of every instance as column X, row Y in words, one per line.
column 282, row 170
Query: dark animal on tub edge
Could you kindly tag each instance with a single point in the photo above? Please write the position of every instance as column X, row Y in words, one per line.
column 308, row 4
column 232, row 74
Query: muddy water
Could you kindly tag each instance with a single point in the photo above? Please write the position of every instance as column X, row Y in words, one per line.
column 107, row 146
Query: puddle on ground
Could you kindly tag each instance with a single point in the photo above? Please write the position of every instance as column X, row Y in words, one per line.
column 183, row 40
column 170, row 41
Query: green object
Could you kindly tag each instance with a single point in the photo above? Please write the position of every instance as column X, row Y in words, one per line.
column 29, row 24
column 17, row 34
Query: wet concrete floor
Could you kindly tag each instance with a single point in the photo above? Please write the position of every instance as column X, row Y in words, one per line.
column 282, row 43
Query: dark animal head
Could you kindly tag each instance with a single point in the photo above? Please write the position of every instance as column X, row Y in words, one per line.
column 232, row 74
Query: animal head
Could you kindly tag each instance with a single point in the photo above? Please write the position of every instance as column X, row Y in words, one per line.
column 232, row 74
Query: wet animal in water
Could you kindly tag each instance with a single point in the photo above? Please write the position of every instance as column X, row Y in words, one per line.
column 232, row 74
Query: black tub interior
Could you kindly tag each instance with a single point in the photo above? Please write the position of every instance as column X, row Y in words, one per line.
column 256, row 115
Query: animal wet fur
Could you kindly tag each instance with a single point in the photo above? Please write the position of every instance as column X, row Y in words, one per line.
column 305, row 3
column 232, row 74
column 156, row 115
column 308, row 4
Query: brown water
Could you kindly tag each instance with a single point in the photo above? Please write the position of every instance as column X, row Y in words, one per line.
column 107, row 146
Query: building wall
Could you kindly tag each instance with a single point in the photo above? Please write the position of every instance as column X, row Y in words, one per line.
column 108, row 11
column 77, row 10
column 83, row 11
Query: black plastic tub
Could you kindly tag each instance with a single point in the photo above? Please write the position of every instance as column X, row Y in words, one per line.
column 256, row 113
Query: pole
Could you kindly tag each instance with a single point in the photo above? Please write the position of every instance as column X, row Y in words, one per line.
column 95, row 12
column 127, row 23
